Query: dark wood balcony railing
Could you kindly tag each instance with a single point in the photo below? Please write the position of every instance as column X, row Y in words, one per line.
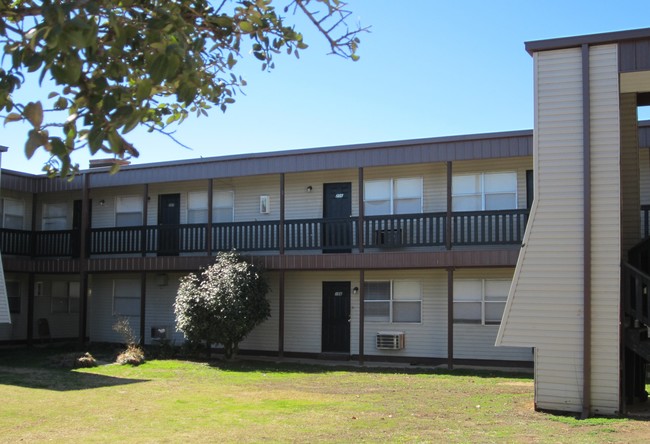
column 488, row 227
column 329, row 235
column 405, row 230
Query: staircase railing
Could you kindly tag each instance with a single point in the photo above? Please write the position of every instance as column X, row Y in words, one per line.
column 635, row 293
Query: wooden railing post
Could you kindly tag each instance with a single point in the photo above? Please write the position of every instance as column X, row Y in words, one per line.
column 448, row 230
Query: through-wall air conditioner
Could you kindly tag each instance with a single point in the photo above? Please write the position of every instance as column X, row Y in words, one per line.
column 390, row 340
column 388, row 238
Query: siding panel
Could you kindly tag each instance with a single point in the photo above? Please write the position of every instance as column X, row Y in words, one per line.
column 545, row 257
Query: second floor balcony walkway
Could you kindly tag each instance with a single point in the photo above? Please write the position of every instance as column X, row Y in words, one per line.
column 445, row 230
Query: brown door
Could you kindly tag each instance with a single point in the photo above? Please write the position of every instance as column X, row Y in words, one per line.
column 336, row 317
column 337, row 209
column 169, row 219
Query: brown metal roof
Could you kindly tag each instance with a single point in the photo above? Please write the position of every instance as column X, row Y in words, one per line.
column 591, row 39
column 440, row 149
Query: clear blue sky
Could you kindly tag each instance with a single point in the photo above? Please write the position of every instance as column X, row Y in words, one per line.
column 428, row 68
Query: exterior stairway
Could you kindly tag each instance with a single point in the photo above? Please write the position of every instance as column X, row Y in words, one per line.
column 636, row 321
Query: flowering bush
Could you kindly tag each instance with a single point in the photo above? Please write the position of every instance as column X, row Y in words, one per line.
column 223, row 303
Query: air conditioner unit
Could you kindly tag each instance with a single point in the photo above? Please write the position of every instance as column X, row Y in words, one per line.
column 159, row 333
column 388, row 238
column 390, row 340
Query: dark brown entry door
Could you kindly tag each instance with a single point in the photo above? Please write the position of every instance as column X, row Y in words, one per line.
column 169, row 219
column 337, row 209
column 75, row 238
column 336, row 317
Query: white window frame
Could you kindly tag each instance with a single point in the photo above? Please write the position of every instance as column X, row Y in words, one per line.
column 16, row 203
column 392, row 198
column 394, row 299
column 202, row 198
column 48, row 219
column 126, row 297
column 122, row 200
column 484, row 301
column 68, row 300
column 481, row 193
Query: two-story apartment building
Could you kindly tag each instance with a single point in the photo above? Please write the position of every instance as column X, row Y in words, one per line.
column 400, row 250
column 427, row 251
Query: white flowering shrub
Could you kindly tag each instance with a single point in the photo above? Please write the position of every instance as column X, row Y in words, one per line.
column 223, row 303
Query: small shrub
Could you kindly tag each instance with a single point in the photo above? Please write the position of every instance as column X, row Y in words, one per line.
column 73, row 360
column 85, row 361
column 133, row 355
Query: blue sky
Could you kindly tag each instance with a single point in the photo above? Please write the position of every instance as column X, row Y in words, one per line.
column 428, row 68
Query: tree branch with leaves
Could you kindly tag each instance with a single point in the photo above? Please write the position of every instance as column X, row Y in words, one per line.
column 118, row 65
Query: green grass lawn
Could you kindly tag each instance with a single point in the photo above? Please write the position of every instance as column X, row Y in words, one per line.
column 181, row 401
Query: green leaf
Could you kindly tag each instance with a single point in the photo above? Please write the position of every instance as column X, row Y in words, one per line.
column 158, row 69
column 246, row 27
column 143, row 91
column 35, row 139
column 13, row 117
column 34, row 114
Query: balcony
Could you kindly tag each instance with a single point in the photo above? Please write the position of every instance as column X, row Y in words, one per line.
column 482, row 228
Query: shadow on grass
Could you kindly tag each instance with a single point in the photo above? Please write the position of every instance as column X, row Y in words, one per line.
column 248, row 364
column 36, row 368
column 60, row 380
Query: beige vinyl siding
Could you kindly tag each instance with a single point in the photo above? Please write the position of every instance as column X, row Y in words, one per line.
column 62, row 325
column 17, row 330
column 606, row 228
column 300, row 204
column 26, row 199
column 644, row 175
column 265, row 336
column 548, row 276
column 5, row 317
column 56, row 198
column 425, row 339
column 631, row 180
column 434, row 182
column 100, row 309
column 160, row 306
column 518, row 165
column 477, row 341
column 103, row 216
column 303, row 308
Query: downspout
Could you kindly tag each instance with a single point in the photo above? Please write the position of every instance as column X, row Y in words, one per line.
column 586, row 168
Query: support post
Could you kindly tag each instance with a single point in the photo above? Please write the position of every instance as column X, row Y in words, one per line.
column 450, row 318
column 362, row 212
column 208, row 234
column 145, row 217
column 143, row 305
column 448, row 231
column 30, row 309
column 83, row 259
column 281, row 315
column 281, row 227
column 362, row 315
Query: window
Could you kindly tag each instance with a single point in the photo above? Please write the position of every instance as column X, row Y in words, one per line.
column 484, row 191
column 13, row 296
column 65, row 297
column 393, row 196
column 55, row 216
column 126, row 297
column 12, row 213
column 222, row 207
column 480, row 301
column 392, row 301
column 128, row 211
